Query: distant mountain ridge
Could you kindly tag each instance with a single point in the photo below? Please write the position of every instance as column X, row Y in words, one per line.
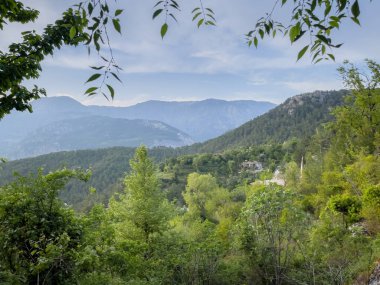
column 98, row 132
column 194, row 121
column 202, row 120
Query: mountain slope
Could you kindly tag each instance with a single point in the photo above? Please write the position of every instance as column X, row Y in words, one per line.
column 297, row 117
column 98, row 132
column 202, row 120
column 108, row 167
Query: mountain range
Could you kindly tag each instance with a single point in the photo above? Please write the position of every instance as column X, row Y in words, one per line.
column 62, row 123
column 297, row 118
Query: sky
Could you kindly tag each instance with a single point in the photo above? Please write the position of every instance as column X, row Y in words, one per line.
column 196, row 64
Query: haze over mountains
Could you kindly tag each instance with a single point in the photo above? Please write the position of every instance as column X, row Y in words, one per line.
column 61, row 123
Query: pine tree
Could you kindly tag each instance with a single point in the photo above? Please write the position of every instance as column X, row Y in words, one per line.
column 145, row 203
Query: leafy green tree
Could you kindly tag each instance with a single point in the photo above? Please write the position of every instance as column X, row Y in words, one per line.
column 357, row 123
column 86, row 23
column 339, row 254
column 39, row 234
column 371, row 208
column 348, row 206
column 200, row 189
column 292, row 174
column 272, row 229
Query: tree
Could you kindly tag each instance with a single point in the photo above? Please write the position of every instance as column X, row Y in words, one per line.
column 88, row 23
column 141, row 219
column 39, row 234
column 144, row 201
column 312, row 19
column 199, row 190
column 357, row 123
column 272, row 232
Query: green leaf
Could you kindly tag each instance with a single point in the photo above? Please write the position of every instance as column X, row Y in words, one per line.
column 158, row 3
column 355, row 9
column 117, row 77
column 73, row 32
column 330, row 55
column 302, row 52
column 112, row 91
column 212, row 17
column 342, row 4
column 327, row 10
column 299, row 36
column 195, row 9
column 171, row 15
column 97, row 67
column 90, row 90
column 294, row 32
column 94, row 77
column 313, row 5
column 334, row 24
column 261, row 32
column 196, row 15
column 118, row 12
column 105, row 96
column 175, row 3
column 255, row 41
column 200, row 22
column 116, row 25
column 156, row 13
column 356, row 20
column 90, row 8
column 164, row 29
column 324, row 39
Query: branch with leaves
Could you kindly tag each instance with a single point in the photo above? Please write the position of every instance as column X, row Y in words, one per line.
column 86, row 23
column 313, row 18
column 202, row 15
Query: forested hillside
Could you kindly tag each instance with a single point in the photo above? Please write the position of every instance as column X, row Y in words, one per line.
column 297, row 117
column 108, row 167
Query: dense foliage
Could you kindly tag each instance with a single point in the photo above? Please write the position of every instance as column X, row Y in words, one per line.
column 107, row 165
column 322, row 226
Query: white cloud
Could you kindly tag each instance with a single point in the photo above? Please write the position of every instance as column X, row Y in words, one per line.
column 208, row 51
column 71, row 61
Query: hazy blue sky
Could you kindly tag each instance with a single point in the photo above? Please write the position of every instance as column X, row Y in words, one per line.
column 192, row 64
